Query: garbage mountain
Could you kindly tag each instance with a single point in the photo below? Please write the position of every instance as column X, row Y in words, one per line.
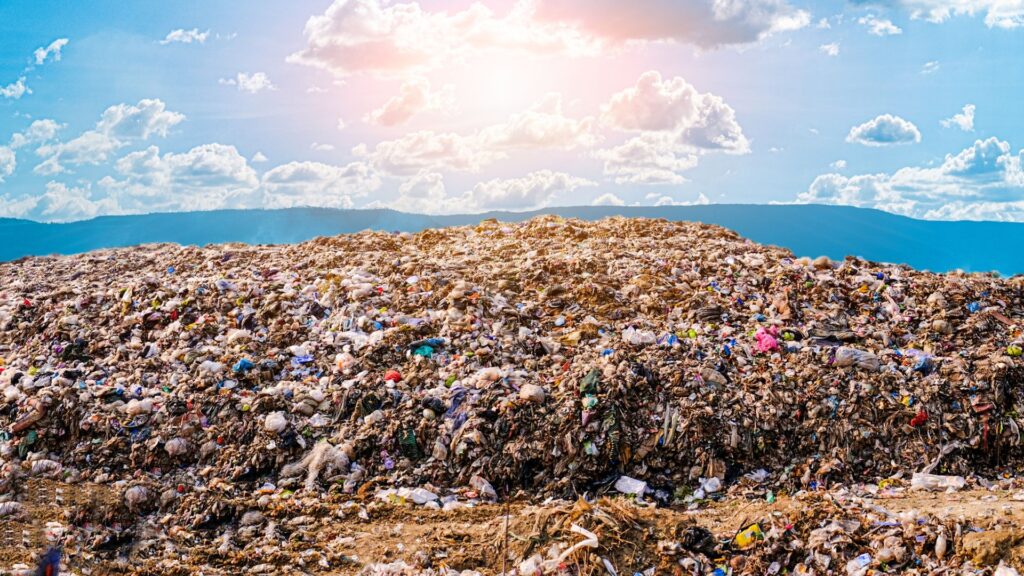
column 549, row 358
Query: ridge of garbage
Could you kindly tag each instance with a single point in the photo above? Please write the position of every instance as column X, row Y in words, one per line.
column 554, row 358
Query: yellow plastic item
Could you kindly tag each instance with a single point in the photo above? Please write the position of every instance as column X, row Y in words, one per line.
column 749, row 537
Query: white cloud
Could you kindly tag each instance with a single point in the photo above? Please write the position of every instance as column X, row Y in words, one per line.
column 830, row 49
column 8, row 162
column 38, row 132
column 700, row 121
column 705, row 23
column 649, row 158
column 316, row 184
column 16, row 90
column 206, row 177
column 1006, row 14
column 118, row 126
column 541, row 126
column 823, row 24
column 53, row 50
column 414, row 97
column 186, row 36
column 964, row 120
column 251, row 83
column 91, row 147
column 139, row 121
column 884, row 130
column 318, row 147
column 383, row 38
column 423, row 193
column 930, row 67
column 608, row 199
column 341, row 124
column 879, row 26
column 258, row 158
column 676, row 123
column 534, row 190
column 982, row 182
column 59, row 203
column 430, row 151
column 653, row 104
column 379, row 37
column 663, row 200
column 838, row 164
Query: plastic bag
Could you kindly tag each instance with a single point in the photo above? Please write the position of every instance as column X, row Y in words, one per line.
column 925, row 481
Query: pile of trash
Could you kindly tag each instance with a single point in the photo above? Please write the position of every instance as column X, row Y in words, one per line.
column 550, row 358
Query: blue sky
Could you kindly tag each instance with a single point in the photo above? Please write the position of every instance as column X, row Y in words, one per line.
column 911, row 106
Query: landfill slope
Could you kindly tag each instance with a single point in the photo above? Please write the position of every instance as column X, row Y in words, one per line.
column 224, row 395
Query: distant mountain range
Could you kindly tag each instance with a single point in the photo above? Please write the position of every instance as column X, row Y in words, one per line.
column 807, row 230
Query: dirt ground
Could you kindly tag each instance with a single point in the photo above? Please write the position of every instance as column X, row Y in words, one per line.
column 336, row 536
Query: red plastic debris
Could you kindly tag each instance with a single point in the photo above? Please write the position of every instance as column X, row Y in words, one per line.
column 392, row 376
column 919, row 419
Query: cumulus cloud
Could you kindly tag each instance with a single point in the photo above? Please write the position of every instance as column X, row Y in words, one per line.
column 964, row 120
column 52, row 51
column 379, row 37
column 885, row 130
column 705, row 23
column 428, row 150
column 383, row 38
column 541, row 126
column 676, row 123
column 8, row 162
column 879, row 26
column 664, row 200
column 183, row 36
column 59, row 203
column 701, row 121
column 982, row 182
column 647, row 159
column 258, row 158
column 608, row 199
column 206, row 177
column 90, row 147
column 15, row 90
column 119, row 125
column 317, row 184
column 38, row 132
column 830, row 49
column 930, row 67
column 319, row 147
column 251, row 83
column 533, row 190
column 1006, row 14
column 838, row 164
column 414, row 97
column 150, row 117
column 423, row 193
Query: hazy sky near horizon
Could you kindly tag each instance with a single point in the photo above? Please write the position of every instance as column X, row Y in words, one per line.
column 910, row 106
